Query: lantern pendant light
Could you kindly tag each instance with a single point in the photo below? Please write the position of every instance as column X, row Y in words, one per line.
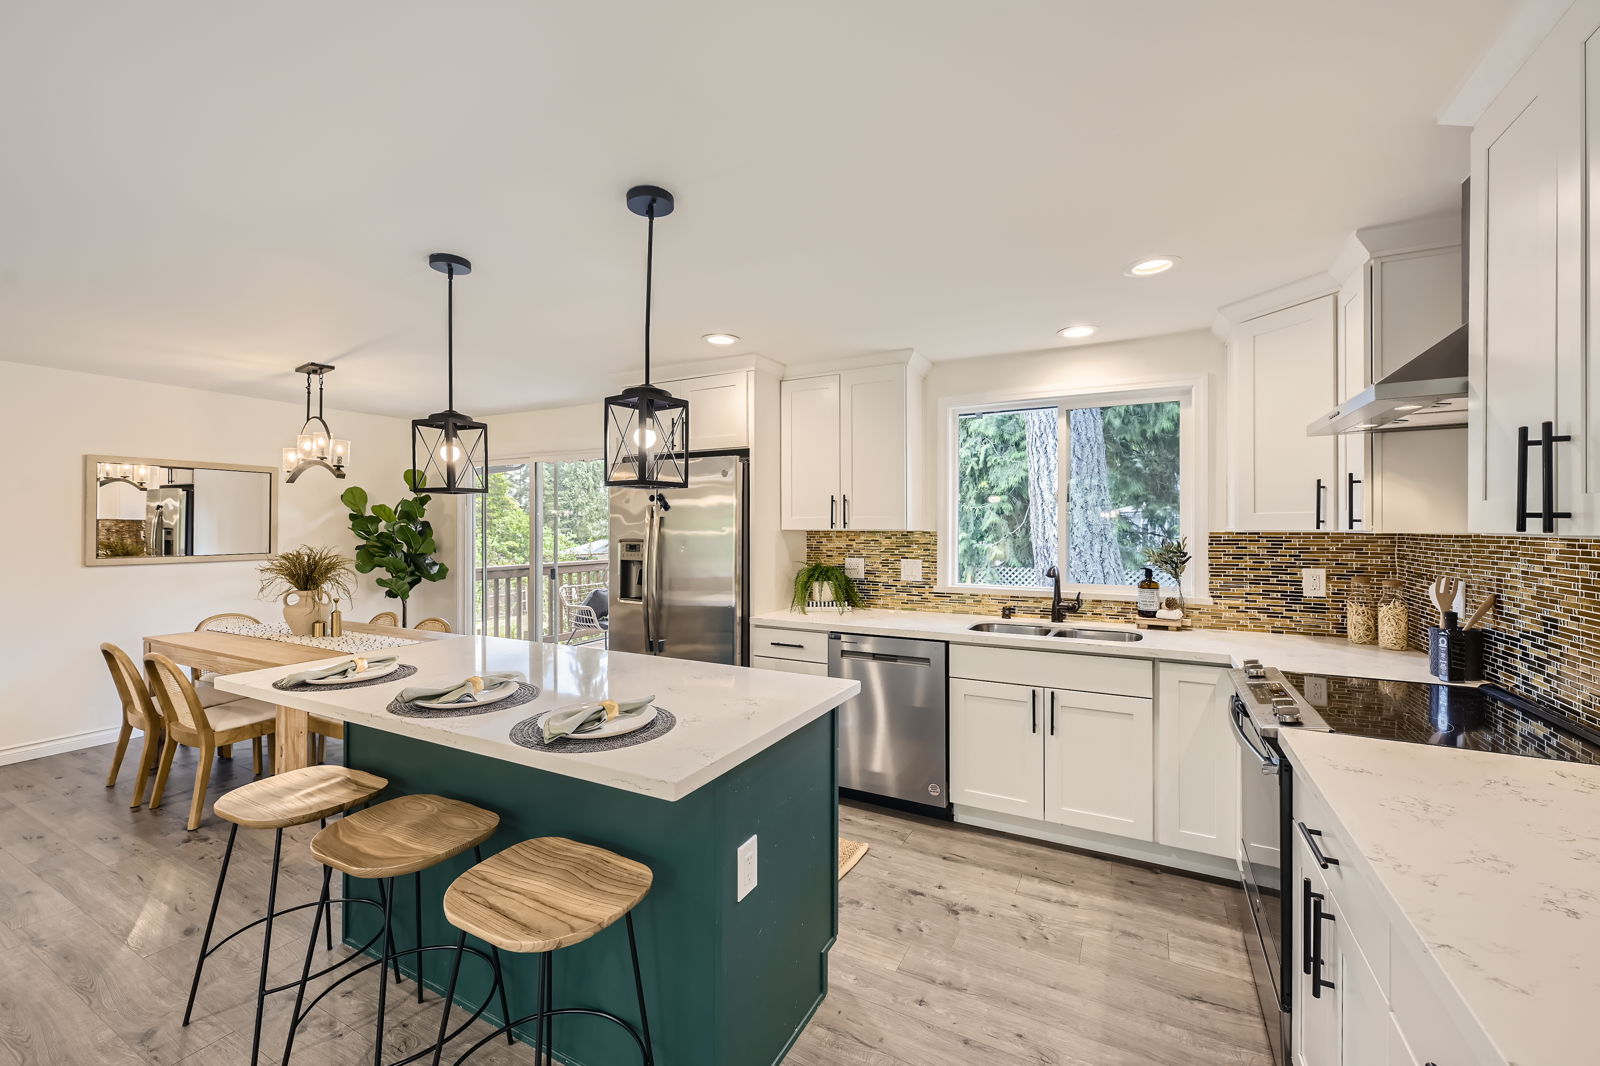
column 315, row 446
column 647, row 428
column 448, row 448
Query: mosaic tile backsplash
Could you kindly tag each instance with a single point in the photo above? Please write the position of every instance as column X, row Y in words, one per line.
column 1543, row 640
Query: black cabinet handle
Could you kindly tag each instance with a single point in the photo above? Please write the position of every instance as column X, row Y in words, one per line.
column 1351, row 481
column 1052, row 713
column 1305, row 925
column 1318, row 916
column 1312, row 836
column 845, row 511
column 833, row 504
column 1522, row 479
column 1546, row 443
column 1321, row 489
column 1033, row 710
column 782, row 644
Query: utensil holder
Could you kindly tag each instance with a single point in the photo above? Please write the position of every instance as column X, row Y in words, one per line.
column 1455, row 654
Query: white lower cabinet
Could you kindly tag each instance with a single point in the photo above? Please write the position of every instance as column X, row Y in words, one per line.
column 996, row 748
column 789, row 666
column 1197, row 761
column 1098, row 773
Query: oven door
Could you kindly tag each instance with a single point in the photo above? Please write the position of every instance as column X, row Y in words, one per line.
column 1264, row 801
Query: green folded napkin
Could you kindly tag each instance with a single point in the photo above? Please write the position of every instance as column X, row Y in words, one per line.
column 462, row 691
column 344, row 669
column 585, row 717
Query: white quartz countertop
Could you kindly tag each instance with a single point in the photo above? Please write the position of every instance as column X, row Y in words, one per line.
column 726, row 714
column 1492, row 862
column 1223, row 647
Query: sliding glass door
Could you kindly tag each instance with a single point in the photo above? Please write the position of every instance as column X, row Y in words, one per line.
column 541, row 551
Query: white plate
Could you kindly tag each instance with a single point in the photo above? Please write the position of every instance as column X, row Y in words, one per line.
column 617, row 726
column 364, row 675
column 439, row 705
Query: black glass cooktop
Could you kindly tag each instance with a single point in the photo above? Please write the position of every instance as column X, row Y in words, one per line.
column 1479, row 718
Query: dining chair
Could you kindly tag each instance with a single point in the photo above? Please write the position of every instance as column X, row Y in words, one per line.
column 203, row 680
column 385, row 618
column 188, row 722
column 434, row 625
column 137, row 713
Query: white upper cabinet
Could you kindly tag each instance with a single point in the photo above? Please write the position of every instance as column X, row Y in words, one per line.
column 719, row 409
column 1526, row 328
column 848, row 441
column 1283, row 368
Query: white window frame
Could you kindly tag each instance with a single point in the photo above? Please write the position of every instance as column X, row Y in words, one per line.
column 1194, row 466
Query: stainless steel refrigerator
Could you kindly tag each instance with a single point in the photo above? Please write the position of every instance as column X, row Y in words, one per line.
column 678, row 580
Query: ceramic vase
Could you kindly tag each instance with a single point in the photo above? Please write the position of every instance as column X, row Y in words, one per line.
column 302, row 609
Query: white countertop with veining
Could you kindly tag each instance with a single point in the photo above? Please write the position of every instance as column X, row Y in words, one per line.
column 1223, row 647
column 726, row 714
column 1492, row 863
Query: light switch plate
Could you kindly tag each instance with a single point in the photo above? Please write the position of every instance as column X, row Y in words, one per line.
column 855, row 567
column 1313, row 583
column 747, row 869
column 910, row 569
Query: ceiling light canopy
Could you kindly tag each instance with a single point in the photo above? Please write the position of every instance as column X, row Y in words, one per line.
column 449, row 450
column 1155, row 264
column 315, row 445
column 720, row 338
column 647, row 428
column 1073, row 333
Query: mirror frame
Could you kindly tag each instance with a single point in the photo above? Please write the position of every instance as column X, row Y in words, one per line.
column 90, row 501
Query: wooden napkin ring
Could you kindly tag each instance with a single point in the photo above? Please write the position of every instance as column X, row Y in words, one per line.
column 477, row 684
column 361, row 665
column 611, row 709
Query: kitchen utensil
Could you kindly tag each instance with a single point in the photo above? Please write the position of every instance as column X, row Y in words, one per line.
column 1482, row 612
column 1443, row 594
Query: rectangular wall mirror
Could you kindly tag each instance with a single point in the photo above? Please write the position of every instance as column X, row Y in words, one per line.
column 172, row 511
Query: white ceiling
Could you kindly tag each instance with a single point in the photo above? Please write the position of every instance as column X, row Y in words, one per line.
column 209, row 194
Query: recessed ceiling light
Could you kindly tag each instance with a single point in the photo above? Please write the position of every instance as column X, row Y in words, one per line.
column 1074, row 332
column 1156, row 264
column 720, row 338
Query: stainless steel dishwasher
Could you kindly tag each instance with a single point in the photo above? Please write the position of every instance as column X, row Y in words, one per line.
column 894, row 738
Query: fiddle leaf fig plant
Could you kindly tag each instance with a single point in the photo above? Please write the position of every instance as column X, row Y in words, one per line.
column 397, row 540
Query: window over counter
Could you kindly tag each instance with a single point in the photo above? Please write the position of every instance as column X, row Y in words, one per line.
column 1083, row 483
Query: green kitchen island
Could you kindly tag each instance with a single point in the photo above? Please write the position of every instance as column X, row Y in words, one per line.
column 728, row 981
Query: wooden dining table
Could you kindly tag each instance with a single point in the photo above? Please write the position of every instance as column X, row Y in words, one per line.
column 232, row 653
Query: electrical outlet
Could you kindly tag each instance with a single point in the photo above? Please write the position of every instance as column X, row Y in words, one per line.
column 1315, row 690
column 747, row 868
column 1313, row 583
column 910, row 569
column 855, row 567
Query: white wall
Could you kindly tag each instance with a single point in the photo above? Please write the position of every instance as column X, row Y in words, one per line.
column 1168, row 358
column 55, row 693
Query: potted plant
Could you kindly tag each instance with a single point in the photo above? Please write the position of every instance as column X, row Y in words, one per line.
column 304, row 579
column 397, row 540
column 825, row 585
column 1172, row 558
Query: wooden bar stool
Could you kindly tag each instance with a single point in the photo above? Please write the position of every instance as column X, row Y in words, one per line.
column 405, row 835
column 287, row 799
column 540, row 896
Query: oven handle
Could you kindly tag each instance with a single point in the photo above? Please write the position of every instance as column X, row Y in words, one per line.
column 1269, row 764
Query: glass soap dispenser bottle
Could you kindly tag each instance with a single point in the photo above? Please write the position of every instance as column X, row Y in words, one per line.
column 1149, row 594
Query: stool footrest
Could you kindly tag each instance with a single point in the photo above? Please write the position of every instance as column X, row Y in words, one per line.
column 275, row 915
column 537, row 1015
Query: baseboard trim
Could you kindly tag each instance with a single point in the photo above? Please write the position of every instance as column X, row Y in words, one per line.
column 1171, row 858
column 38, row 749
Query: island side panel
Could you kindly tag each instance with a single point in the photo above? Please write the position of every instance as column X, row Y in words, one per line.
column 706, row 958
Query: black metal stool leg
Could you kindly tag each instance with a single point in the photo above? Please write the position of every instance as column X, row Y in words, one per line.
column 211, row 921
column 330, row 913
column 305, row 971
column 385, row 886
column 383, row 976
column 499, row 969
column 266, row 945
column 416, row 900
column 638, row 986
column 449, row 998
column 549, row 1006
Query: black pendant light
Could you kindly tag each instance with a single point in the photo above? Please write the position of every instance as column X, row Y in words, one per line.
column 448, row 447
column 647, row 429
column 315, row 445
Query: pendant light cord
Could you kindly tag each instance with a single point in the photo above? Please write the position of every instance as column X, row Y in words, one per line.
column 450, row 337
column 308, row 397
column 324, row 421
column 649, row 275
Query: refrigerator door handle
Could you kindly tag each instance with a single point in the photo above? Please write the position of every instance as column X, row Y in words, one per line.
column 655, row 637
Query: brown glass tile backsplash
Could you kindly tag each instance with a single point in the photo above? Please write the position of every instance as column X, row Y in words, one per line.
column 1543, row 641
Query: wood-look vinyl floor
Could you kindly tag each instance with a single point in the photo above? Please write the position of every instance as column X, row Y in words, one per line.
column 956, row 947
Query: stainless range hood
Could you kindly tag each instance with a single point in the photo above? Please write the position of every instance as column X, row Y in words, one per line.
column 1428, row 392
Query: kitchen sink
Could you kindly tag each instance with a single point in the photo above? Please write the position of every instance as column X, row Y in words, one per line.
column 1018, row 629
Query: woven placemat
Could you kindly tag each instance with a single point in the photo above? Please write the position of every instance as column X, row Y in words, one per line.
column 404, row 670
column 528, row 735
column 525, row 693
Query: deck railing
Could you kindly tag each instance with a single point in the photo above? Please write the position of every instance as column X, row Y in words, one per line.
column 507, row 596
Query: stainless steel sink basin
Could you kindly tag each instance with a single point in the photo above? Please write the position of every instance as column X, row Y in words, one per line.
column 1124, row 635
column 1016, row 629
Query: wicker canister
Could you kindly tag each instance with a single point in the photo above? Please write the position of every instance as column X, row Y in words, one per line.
column 1361, row 613
column 1394, row 619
